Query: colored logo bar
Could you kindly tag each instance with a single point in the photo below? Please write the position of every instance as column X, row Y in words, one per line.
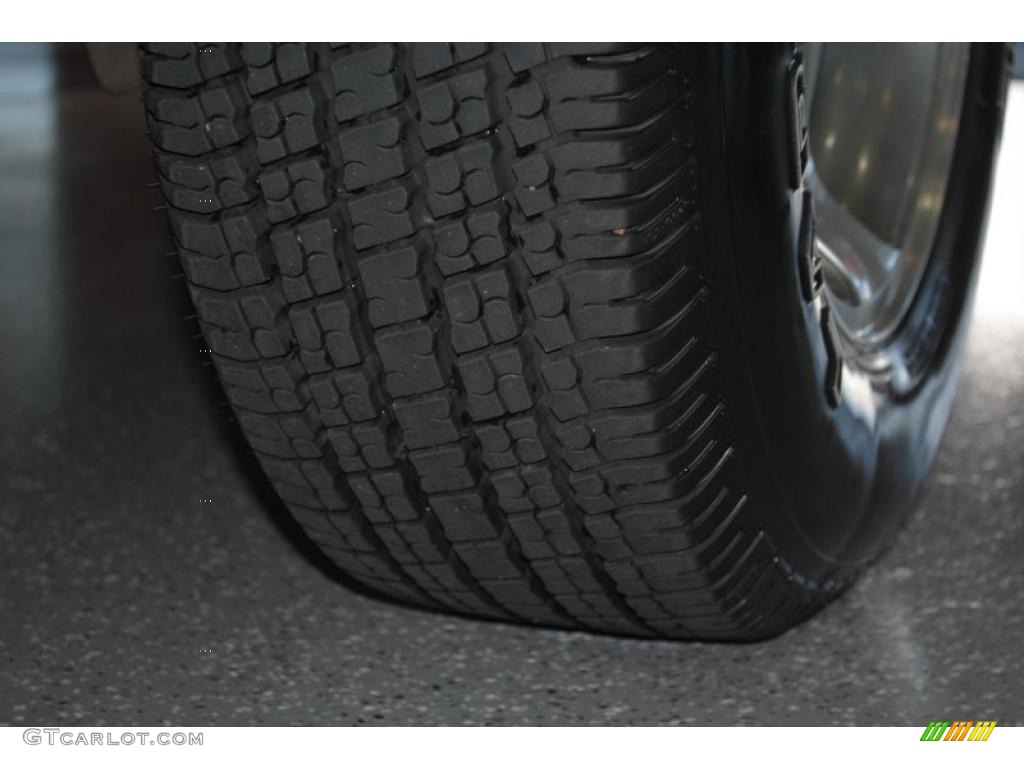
column 958, row 730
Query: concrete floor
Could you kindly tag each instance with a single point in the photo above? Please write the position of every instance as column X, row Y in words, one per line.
column 116, row 579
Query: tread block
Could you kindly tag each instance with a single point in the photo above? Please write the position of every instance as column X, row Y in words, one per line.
column 225, row 255
column 372, row 153
column 540, row 247
column 565, row 387
column 182, row 65
column 309, row 258
column 442, row 469
column 344, row 397
column 291, row 435
column 270, row 65
column 526, row 488
column 289, row 123
column 365, row 82
column 465, row 518
column 594, row 497
column 551, row 309
column 431, row 58
column 530, row 536
column 267, row 386
column 511, row 441
column 428, row 421
column 394, row 495
column 527, row 121
column 393, row 286
column 213, row 184
column 247, row 328
column 595, row 97
column 533, row 184
column 483, row 310
column 489, row 562
column 578, row 445
column 192, row 125
column 523, row 56
column 460, row 179
column 495, row 383
column 413, row 363
column 476, row 240
column 298, row 188
column 384, row 216
column 325, row 334
column 361, row 447
column 454, row 108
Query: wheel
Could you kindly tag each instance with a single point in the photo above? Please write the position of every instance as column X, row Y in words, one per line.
column 545, row 333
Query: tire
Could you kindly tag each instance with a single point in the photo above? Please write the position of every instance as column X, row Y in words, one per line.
column 524, row 331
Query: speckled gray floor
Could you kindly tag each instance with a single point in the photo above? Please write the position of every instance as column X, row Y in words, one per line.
column 115, row 578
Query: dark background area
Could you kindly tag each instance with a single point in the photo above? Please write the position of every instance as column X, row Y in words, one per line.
column 125, row 600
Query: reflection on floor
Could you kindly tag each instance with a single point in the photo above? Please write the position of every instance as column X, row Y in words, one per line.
column 116, row 577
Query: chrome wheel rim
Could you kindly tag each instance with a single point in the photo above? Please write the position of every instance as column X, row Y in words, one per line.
column 883, row 122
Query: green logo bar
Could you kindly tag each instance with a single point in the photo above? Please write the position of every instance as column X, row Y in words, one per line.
column 935, row 730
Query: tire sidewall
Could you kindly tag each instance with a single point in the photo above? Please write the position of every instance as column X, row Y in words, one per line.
column 831, row 484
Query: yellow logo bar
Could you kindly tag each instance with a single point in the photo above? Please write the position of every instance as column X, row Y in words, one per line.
column 982, row 730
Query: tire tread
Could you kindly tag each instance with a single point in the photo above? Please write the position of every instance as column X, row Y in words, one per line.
column 453, row 295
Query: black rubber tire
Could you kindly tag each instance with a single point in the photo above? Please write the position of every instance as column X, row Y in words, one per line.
column 524, row 331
